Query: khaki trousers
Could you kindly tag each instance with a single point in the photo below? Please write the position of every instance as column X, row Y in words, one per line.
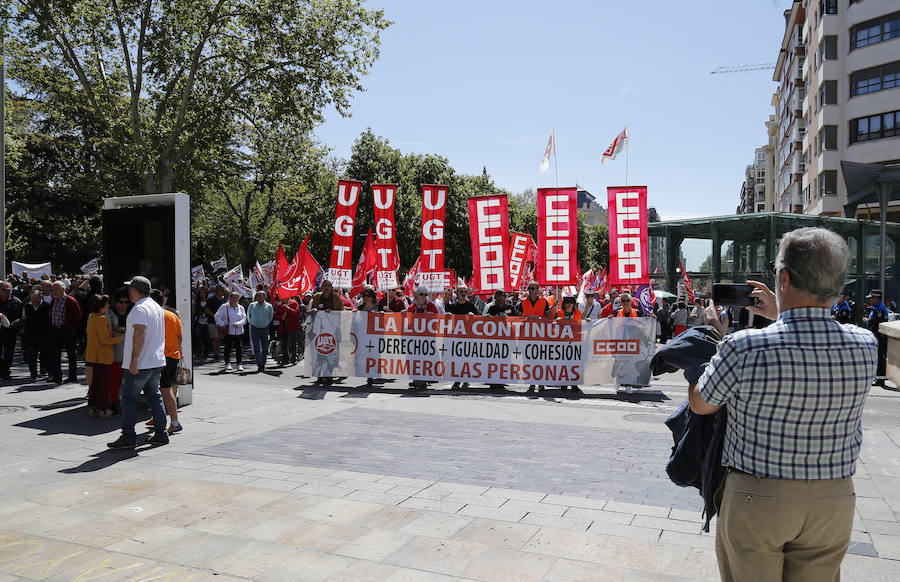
column 783, row 529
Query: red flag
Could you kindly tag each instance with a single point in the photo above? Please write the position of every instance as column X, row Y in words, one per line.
column 489, row 231
column 365, row 266
column 521, row 251
column 688, row 287
column 409, row 284
column 628, row 235
column 301, row 275
column 557, row 235
column 281, row 268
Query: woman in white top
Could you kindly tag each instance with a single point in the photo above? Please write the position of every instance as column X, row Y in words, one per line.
column 231, row 319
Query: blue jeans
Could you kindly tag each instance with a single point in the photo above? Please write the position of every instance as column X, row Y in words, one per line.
column 146, row 381
column 259, row 338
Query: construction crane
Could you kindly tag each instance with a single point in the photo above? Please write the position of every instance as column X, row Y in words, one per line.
column 743, row 68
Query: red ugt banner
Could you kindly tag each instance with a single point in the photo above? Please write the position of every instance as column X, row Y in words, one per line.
column 340, row 271
column 489, row 230
column 434, row 207
column 557, row 262
column 521, row 251
column 628, row 236
column 384, row 196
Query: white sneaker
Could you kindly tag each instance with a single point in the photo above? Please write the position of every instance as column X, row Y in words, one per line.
column 240, row 368
column 228, row 368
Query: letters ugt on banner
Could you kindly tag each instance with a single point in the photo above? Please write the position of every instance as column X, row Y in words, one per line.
column 340, row 271
column 434, row 207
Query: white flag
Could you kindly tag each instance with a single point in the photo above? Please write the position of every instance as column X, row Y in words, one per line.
column 545, row 163
column 220, row 265
column 91, row 267
column 618, row 144
column 235, row 274
column 197, row 274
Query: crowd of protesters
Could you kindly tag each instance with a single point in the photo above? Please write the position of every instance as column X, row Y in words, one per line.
column 55, row 314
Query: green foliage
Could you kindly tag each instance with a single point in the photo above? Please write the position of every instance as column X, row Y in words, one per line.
column 167, row 80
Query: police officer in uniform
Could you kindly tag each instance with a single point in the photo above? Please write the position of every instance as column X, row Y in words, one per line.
column 878, row 314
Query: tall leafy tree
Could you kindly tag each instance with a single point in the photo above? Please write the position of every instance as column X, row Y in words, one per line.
column 166, row 79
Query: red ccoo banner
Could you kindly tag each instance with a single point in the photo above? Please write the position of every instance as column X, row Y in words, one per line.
column 431, row 265
column 557, row 262
column 384, row 196
column 521, row 251
column 489, row 230
column 340, row 271
column 628, row 236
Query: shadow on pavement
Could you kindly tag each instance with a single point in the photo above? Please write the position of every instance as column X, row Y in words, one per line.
column 28, row 387
column 102, row 460
column 551, row 393
column 69, row 403
column 73, row 421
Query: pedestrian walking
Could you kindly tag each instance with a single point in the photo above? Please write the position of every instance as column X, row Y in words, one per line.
column 36, row 332
column 11, row 310
column 260, row 315
column 145, row 356
column 172, row 352
column 878, row 314
column 65, row 319
column 231, row 319
column 795, row 392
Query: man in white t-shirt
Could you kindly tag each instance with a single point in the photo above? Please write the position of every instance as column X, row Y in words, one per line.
column 143, row 360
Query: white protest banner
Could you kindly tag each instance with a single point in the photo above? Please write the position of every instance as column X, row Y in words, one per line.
column 235, row 274
column 220, row 265
column 197, row 274
column 465, row 348
column 91, row 267
column 33, row 269
column 268, row 272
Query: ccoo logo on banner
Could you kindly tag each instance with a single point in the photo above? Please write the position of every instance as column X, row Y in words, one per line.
column 628, row 236
column 489, row 232
column 557, row 262
column 465, row 348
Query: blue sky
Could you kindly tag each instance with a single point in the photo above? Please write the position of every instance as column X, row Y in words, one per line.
column 483, row 83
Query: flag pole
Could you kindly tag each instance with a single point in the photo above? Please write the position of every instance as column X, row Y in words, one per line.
column 556, row 177
column 626, row 154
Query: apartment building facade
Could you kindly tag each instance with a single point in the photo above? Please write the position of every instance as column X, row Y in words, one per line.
column 838, row 98
column 756, row 191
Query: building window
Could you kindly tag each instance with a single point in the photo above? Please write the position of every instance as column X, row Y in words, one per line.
column 827, row 50
column 875, row 127
column 828, row 138
column 828, row 93
column 875, row 79
column 828, row 7
column 875, row 30
column 828, row 183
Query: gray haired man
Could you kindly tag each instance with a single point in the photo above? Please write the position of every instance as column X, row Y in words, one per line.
column 795, row 392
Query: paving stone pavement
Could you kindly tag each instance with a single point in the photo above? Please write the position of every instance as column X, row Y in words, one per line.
column 271, row 483
column 580, row 461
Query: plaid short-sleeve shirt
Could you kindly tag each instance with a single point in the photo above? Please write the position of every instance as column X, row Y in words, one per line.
column 795, row 392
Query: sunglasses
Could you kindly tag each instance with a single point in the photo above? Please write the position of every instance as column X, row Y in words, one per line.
column 422, row 294
column 124, row 301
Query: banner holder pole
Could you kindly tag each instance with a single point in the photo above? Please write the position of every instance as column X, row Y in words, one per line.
column 627, row 148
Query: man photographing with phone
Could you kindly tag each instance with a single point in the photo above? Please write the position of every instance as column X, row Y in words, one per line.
column 795, row 392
